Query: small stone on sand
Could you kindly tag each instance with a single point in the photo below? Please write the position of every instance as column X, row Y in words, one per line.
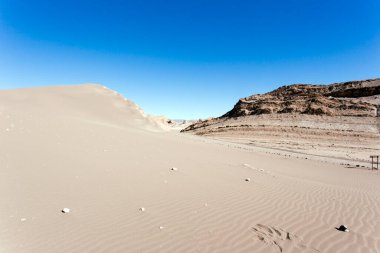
column 65, row 210
column 142, row 209
column 247, row 179
column 161, row 227
column 23, row 219
column 174, row 169
column 343, row 228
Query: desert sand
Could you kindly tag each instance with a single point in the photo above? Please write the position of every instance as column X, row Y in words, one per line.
column 88, row 149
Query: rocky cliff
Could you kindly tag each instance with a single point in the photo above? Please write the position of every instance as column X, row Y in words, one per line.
column 356, row 98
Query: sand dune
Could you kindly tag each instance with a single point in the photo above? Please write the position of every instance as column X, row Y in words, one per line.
column 88, row 149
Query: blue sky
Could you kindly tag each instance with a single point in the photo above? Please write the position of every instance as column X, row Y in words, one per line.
column 188, row 59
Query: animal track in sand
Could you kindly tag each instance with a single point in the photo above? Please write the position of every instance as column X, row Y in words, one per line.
column 280, row 239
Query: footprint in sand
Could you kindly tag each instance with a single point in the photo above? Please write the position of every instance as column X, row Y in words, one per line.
column 280, row 239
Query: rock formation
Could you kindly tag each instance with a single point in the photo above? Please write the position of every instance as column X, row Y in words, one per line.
column 354, row 98
column 340, row 99
column 337, row 120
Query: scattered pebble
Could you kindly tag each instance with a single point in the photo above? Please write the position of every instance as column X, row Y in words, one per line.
column 65, row 210
column 174, row 169
column 247, row 179
column 161, row 227
column 343, row 228
column 142, row 209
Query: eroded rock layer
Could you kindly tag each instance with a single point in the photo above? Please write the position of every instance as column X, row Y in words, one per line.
column 356, row 98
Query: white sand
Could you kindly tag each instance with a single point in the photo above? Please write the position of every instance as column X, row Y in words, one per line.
column 87, row 149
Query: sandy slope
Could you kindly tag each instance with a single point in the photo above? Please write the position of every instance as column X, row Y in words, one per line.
column 86, row 148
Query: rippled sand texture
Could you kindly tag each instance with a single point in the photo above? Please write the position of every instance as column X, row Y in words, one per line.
column 90, row 150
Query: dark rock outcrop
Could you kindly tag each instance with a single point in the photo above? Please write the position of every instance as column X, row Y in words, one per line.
column 340, row 99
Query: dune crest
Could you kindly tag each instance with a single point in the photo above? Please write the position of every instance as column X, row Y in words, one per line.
column 88, row 102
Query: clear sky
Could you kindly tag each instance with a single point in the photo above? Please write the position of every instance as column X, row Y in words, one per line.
column 188, row 59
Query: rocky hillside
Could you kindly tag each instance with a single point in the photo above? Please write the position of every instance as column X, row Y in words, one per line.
column 342, row 119
column 356, row 98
